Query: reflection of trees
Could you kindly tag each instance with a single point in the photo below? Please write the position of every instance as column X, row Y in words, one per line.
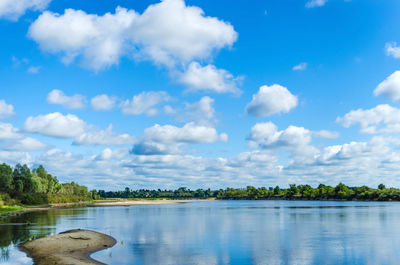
column 12, row 235
column 5, row 254
column 28, row 226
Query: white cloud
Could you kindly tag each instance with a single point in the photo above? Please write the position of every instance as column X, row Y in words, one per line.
column 168, row 33
column 56, row 125
column 271, row 100
column 390, row 87
column 392, row 50
column 326, row 134
column 14, row 9
column 373, row 162
column 171, row 33
column 6, row 110
column 7, row 131
column 25, row 144
column 209, row 78
column 104, row 137
column 144, row 102
column 106, row 154
column 168, row 138
column 99, row 40
column 300, row 67
column 103, row 102
column 316, row 3
column 201, row 112
column 266, row 135
column 381, row 119
column 169, row 110
column 33, row 69
column 13, row 158
column 189, row 133
column 70, row 102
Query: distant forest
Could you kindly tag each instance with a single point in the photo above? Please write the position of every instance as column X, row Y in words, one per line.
column 20, row 185
column 293, row 192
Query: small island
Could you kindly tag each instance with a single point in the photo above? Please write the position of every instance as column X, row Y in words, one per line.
column 69, row 247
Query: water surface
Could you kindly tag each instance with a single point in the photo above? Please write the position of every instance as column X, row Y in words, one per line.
column 226, row 232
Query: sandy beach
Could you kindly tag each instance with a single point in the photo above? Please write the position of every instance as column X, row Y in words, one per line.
column 70, row 247
column 138, row 202
column 106, row 203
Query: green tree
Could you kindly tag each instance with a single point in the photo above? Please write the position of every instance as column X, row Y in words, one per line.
column 381, row 187
column 277, row 190
column 292, row 191
column 6, row 178
column 343, row 192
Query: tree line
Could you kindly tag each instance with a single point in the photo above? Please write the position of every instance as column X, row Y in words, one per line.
column 181, row 193
column 23, row 185
column 306, row 192
column 293, row 192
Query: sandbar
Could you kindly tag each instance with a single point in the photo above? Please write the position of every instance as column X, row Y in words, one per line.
column 138, row 202
column 69, row 247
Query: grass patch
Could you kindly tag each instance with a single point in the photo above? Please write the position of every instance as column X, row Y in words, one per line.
column 7, row 208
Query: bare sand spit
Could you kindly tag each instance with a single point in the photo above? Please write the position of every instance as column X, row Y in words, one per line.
column 70, row 247
column 139, row 202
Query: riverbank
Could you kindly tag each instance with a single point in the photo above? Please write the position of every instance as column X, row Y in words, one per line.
column 13, row 210
column 138, row 202
column 102, row 203
column 70, row 247
column 9, row 208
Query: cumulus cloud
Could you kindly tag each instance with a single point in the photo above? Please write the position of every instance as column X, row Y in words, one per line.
column 106, row 154
column 271, row 100
column 56, row 125
column 200, row 112
column 390, row 87
column 326, row 134
column 373, row 162
column 266, row 135
column 104, row 137
column 8, row 131
column 300, row 67
column 392, row 50
column 168, row 33
column 209, row 78
column 99, row 40
column 168, row 138
column 103, row 102
column 6, row 110
column 70, row 102
column 25, row 144
column 381, row 119
column 14, row 9
column 12, row 157
column 171, row 33
column 316, row 3
column 144, row 103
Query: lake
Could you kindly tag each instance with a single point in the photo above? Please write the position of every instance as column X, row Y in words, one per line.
column 225, row 232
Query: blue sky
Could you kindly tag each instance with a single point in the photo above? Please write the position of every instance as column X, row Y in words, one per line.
column 202, row 93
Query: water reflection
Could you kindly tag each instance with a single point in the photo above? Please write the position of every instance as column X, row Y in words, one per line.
column 229, row 232
column 22, row 227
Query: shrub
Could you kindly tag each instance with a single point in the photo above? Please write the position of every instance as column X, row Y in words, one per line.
column 34, row 198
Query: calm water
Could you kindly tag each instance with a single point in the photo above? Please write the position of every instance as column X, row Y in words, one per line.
column 226, row 232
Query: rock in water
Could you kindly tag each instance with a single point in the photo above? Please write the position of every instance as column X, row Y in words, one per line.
column 69, row 247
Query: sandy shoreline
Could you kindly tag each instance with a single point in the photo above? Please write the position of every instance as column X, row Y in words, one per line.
column 138, row 202
column 70, row 247
column 117, row 202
